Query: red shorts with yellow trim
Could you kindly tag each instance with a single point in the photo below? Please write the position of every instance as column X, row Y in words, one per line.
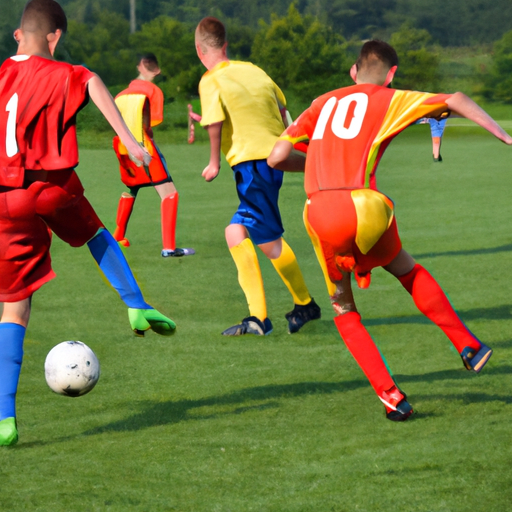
column 132, row 175
column 27, row 217
column 356, row 230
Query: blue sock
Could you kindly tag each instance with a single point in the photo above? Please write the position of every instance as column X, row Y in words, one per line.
column 11, row 356
column 113, row 264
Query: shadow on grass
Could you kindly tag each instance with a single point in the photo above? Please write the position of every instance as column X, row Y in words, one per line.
column 154, row 413
column 164, row 413
column 467, row 252
column 503, row 312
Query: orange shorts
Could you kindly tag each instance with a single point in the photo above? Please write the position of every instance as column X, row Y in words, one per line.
column 132, row 175
column 358, row 224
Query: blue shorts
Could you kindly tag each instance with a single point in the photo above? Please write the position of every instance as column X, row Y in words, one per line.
column 437, row 127
column 258, row 186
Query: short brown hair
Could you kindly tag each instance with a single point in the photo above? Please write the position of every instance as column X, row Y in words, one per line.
column 377, row 51
column 149, row 61
column 43, row 16
column 212, row 32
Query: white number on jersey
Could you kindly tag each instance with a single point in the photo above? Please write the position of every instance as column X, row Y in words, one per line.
column 11, row 147
column 348, row 118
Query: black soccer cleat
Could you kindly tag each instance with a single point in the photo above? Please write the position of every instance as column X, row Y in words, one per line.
column 301, row 315
column 396, row 404
column 250, row 325
column 475, row 360
column 178, row 252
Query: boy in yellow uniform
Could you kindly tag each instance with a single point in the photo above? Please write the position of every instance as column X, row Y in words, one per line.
column 244, row 111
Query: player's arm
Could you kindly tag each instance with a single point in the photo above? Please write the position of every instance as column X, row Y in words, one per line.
column 102, row 98
column 211, row 171
column 462, row 105
column 285, row 158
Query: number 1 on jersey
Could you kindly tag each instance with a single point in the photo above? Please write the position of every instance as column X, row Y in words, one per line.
column 11, row 146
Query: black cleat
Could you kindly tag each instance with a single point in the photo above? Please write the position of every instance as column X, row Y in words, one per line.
column 301, row 315
column 250, row 325
column 475, row 359
column 396, row 404
column 177, row 253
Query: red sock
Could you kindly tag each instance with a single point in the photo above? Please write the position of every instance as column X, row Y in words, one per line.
column 124, row 210
column 365, row 352
column 169, row 213
column 433, row 303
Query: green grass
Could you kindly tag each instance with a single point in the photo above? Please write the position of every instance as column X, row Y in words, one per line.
column 199, row 422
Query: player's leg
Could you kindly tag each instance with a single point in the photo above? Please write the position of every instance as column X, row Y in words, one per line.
column 114, row 266
column 71, row 217
column 433, row 303
column 169, row 214
column 124, row 211
column 365, row 352
column 436, row 149
column 284, row 261
column 13, row 325
column 249, row 277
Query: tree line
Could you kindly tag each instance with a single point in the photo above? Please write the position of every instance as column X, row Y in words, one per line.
column 307, row 46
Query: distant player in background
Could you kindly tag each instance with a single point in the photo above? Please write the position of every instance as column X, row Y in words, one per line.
column 142, row 108
column 437, row 127
column 40, row 191
column 351, row 224
column 243, row 111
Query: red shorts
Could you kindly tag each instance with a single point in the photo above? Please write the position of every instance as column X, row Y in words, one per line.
column 27, row 217
column 132, row 175
column 358, row 224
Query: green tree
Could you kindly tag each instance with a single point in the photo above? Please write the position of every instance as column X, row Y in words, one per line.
column 173, row 43
column 103, row 47
column 418, row 65
column 499, row 81
column 301, row 54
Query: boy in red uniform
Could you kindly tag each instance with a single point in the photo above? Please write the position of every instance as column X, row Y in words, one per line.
column 142, row 108
column 40, row 191
column 352, row 225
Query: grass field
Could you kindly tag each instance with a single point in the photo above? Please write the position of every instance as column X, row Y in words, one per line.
column 284, row 423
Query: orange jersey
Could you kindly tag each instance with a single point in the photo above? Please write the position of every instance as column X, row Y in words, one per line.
column 154, row 95
column 349, row 129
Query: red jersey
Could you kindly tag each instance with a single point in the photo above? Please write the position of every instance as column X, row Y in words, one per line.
column 154, row 95
column 39, row 101
column 349, row 129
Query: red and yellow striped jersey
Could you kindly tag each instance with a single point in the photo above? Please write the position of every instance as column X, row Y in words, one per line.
column 349, row 129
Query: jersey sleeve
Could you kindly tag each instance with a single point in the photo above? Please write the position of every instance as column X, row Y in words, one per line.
column 211, row 104
column 301, row 130
column 281, row 99
column 78, row 95
column 156, row 104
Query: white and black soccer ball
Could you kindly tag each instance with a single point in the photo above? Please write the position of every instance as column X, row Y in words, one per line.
column 71, row 368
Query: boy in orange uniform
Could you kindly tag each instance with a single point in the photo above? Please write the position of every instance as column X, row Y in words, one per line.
column 352, row 225
column 142, row 108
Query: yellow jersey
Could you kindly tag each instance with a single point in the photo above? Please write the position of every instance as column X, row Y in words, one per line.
column 247, row 101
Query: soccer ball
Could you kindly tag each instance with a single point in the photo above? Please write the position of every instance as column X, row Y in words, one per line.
column 71, row 368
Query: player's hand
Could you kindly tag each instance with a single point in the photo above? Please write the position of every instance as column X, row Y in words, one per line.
column 211, row 172
column 140, row 156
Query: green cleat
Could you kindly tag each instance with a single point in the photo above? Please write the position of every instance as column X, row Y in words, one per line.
column 8, row 432
column 142, row 320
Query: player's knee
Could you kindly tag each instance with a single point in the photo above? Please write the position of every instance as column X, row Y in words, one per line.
column 51, row 198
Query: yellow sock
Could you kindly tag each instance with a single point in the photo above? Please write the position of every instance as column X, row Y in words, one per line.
column 289, row 271
column 249, row 277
